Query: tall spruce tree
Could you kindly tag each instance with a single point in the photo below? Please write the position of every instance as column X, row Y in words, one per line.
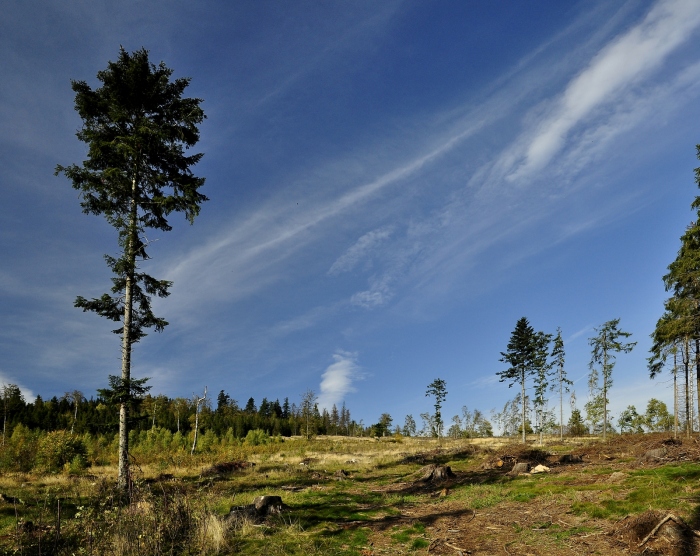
column 562, row 383
column 523, row 355
column 543, row 370
column 606, row 344
column 138, row 127
column 438, row 390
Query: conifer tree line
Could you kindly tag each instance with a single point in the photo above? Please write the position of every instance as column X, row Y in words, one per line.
column 74, row 413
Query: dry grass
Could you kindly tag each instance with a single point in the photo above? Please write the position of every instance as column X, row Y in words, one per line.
column 380, row 508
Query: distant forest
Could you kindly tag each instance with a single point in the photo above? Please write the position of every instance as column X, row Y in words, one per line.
column 73, row 412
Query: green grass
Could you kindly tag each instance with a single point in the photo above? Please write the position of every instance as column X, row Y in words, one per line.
column 328, row 516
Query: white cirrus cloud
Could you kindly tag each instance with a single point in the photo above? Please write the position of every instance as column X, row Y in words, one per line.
column 361, row 249
column 379, row 293
column 618, row 66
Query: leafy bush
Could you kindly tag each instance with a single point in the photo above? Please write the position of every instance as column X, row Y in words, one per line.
column 18, row 452
column 58, row 448
column 257, row 437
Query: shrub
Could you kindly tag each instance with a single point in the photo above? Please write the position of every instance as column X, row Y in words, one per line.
column 257, row 437
column 58, row 448
column 19, row 451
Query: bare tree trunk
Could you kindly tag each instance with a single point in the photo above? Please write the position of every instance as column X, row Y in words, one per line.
column 75, row 417
column 523, row 402
column 4, row 415
column 196, row 428
column 561, row 402
column 675, row 395
column 605, row 390
column 686, row 364
column 123, row 473
column 697, row 372
column 197, row 402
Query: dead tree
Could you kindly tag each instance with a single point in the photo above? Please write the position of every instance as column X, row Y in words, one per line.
column 198, row 401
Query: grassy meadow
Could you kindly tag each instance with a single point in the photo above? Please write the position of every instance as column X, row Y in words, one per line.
column 361, row 496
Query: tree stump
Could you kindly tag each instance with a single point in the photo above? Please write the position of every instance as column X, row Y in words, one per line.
column 261, row 507
column 518, row 468
column 268, row 505
column 436, row 473
column 654, row 455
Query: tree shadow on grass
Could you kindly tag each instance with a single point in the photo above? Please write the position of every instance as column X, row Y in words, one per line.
column 346, row 515
column 689, row 540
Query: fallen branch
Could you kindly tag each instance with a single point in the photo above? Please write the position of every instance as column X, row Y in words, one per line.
column 453, row 547
column 655, row 529
column 669, row 517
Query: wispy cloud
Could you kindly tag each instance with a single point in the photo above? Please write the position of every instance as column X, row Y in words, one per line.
column 378, row 294
column 361, row 249
column 618, row 66
column 437, row 247
column 338, row 378
column 579, row 333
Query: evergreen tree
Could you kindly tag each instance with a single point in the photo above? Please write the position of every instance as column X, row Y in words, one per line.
column 335, row 420
column 605, row 345
column 563, row 383
column 576, row 425
column 345, row 419
column 541, row 380
column 680, row 324
column 438, row 390
column 222, row 401
column 12, row 403
column 308, row 405
column 250, row 406
column 523, row 354
column 137, row 127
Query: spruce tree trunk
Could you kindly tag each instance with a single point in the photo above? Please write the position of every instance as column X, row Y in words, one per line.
column 123, row 473
column 561, row 406
column 697, row 371
column 675, row 396
column 523, row 402
column 686, row 363
column 605, row 392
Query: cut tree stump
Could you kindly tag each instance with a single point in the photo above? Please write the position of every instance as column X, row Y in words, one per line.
column 518, row 468
column 267, row 505
column 436, row 473
column 654, row 455
column 261, row 507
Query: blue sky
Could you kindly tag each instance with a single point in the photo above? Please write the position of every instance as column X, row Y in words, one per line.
column 393, row 185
